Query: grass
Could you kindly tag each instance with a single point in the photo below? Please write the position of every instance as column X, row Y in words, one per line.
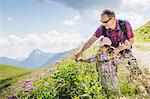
column 146, row 40
column 7, row 72
column 13, row 77
column 143, row 33
column 10, row 75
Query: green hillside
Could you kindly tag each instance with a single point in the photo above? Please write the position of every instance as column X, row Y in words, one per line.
column 9, row 75
column 76, row 80
column 143, row 33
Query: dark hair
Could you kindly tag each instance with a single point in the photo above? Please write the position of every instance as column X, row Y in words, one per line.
column 109, row 13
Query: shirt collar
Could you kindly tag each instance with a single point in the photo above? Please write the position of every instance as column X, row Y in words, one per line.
column 117, row 28
column 117, row 25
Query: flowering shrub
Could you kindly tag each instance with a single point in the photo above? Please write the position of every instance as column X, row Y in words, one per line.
column 71, row 80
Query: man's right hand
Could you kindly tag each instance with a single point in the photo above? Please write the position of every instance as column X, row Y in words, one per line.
column 76, row 56
column 85, row 46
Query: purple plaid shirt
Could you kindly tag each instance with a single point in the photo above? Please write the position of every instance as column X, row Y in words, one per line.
column 116, row 35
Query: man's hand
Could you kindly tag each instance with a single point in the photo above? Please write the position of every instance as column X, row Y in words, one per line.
column 127, row 44
column 85, row 47
column 81, row 59
column 116, row 51
column 76, row 56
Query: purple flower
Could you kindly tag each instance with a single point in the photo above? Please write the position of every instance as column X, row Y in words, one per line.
column 49, row 70
column 28, row 88
column 27, row 82
column 13, row 97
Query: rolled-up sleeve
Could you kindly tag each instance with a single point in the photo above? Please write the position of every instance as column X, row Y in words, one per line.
column 129, row 30
column 98, row 32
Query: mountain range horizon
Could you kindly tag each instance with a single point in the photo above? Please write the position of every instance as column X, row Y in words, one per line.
column 37, row 58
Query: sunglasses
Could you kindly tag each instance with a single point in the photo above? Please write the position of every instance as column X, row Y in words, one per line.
column 107, row 20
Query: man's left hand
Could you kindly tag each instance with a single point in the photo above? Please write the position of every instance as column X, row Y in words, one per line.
column 116, row 51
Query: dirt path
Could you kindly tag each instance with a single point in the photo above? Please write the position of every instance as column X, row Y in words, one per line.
column 143, row 54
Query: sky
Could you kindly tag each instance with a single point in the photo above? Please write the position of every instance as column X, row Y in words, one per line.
column 59, row 25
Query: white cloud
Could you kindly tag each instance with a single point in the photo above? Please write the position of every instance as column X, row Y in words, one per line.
column 88, row 23
column 73, row 21
column 15, row 46
column 9, row 19
column 144, row 3
column 136, row 20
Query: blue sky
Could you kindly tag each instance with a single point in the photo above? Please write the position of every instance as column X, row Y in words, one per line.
column 59, row 25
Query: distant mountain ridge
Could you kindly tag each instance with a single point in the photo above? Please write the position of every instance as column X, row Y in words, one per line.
column 36, row 59
column 6, row 60
column 56, row 57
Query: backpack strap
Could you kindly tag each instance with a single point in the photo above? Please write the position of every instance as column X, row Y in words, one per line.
column 122, row 25
column 104, row 31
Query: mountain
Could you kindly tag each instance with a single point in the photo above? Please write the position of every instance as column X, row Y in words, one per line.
column 58, row 57
column 143, row 33
column 35, row 59
column 6, row 60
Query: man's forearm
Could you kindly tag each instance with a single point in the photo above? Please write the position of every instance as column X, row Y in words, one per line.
column 88, row 44
column 85, row 47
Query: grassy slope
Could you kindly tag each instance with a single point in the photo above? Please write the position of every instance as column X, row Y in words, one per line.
column 10, row 74
column 10, row 71
column 142, row 34
column 14, row 77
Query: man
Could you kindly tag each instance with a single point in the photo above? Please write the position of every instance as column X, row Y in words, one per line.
column 112, row 29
